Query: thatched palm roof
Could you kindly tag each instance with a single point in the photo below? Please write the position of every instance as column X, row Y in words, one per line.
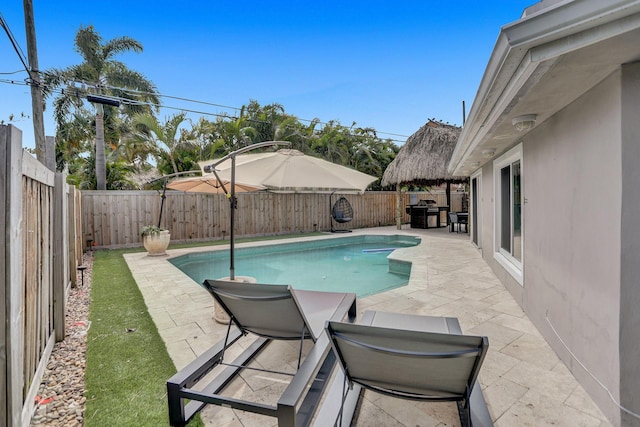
column 424, row 158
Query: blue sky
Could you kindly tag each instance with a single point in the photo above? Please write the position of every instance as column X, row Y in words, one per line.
column 382, row 64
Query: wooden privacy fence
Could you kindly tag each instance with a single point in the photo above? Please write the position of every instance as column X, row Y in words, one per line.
column 38, row 259
column 115, row 218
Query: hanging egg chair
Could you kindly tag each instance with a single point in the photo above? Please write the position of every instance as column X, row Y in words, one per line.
column 341, row 212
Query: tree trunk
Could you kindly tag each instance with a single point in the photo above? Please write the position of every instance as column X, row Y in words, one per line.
column 101, row 167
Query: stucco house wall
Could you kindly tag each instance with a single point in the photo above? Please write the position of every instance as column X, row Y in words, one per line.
column 556, row 120
column 630, row 245
column 574, row 238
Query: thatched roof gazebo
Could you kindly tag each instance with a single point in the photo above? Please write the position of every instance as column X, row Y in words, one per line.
column 424, row 160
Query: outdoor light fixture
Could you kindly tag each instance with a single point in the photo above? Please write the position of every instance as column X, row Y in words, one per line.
column 103, row 100
column 522, row 123
column 488, row 153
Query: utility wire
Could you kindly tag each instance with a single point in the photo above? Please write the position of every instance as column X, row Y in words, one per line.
column 188, row 110
column 11, row 72
column 226, row 106
column 14, row 43
column 24, row 61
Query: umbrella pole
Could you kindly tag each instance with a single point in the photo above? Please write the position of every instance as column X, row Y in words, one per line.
column 164, row 196
column 233, row 204
column 232, row 196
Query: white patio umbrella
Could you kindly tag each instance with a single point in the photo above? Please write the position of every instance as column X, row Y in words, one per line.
column 291, row 171
column 286, row 171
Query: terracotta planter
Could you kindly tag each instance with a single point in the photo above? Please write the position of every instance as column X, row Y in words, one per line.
column 156, row 244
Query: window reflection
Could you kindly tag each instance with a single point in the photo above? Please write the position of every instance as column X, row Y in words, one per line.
column 517, row 209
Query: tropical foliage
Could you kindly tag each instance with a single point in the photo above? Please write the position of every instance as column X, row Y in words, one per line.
column 102, row 146
column 100, row 76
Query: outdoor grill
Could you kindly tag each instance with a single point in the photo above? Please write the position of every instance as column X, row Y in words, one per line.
column 421, row 212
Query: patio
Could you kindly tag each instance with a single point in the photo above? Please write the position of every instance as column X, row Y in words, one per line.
column 523, row 381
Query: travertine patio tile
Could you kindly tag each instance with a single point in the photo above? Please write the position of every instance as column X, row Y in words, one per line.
column 501, row 297
column 509, row 307
column 395, row 305
column 201, row 343
column 538, row 410
column 524, row 382
column 407, row 413
column 162, row 319
column 501, row 395
column 470, row 319
column 429, row 300
column 219, row 416
column 371, row 415
column 518, row 323
column 496, row 332
column 555, row 385
column 532, row 349
column 210, row 326
column 448, row 291
column 496, row 365
column 468, row 304
column 580, row 400
column 181, row 333
column 181, row 353
column 161, row 300
column 196, row 314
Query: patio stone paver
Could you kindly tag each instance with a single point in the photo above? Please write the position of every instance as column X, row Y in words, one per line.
column 523, row 381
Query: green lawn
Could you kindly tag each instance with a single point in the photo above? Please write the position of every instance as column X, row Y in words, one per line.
column 127, row 361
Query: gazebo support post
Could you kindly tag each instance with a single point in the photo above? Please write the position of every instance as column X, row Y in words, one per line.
column 398, row 206
column 448, row 200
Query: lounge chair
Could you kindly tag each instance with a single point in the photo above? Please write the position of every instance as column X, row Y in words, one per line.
column 271, row 312
column 409, row 357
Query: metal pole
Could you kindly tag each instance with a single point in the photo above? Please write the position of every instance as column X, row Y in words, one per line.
column 232, row 195
column 233, row 204
column 164, row 196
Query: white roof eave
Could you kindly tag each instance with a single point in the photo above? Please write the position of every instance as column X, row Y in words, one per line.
column 527, row 48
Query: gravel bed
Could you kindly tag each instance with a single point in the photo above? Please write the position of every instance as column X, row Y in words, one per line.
column 60, row 400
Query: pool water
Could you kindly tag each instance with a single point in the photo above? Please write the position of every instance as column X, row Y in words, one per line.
column 356, row 264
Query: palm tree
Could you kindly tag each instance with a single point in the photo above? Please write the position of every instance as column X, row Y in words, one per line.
column 237, row 133
column 100, row 75
column 161, row 136
column 74, row 138
column 205, row 139
column 332, row 143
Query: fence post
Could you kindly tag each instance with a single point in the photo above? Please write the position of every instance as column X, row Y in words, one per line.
column 11, row 346
column 60, row 252
column 74, row 232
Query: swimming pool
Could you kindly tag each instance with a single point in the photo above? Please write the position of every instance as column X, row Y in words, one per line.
column 356, row 264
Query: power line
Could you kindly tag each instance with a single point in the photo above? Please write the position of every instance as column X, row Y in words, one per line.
column 24, row 61
column 188, row 110
column 14, row 43
column 11, row 72
column 228, row 107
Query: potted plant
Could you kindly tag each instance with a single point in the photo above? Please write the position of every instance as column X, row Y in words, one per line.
column 155, row 240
